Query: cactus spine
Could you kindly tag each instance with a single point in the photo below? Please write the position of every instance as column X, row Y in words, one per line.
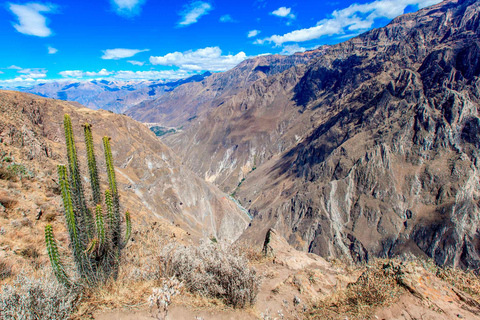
column 96, row 242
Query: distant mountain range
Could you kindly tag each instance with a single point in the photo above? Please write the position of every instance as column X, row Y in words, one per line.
column 116, row 96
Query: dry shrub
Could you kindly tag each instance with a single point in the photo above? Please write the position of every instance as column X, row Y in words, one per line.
column 5, row 270
column 7, row 202
column 51, row 216
column 29, row 252
column 467, row 281
column 34, row 299
column 212, row 270
column 8, row 175
column 377, row 286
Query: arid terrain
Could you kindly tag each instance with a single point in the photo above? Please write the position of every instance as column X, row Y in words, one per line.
column 338, row 183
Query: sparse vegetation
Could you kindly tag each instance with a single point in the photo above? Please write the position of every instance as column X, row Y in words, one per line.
column 161, row 131
column 36, row 299
column 377, row 286
column 214, row 271
column 95, row 234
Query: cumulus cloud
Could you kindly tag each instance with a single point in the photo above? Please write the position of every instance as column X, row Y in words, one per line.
column 227, row 18
column 291, row 49
column 284, row 12
column 136, row 63
column 127, row 8
column 193, row 11
column 21, row 82
column 52, row 50
column 120, row 53
column 29, row 73
column 355, row 18
column 33, row 74
column 82, row 74
column 253, row 33
column 209, row 58
column 30, row 18
column 151, row 75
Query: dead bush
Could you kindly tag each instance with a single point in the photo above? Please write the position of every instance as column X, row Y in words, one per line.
column 30, row 252
column 8, row 175
column 51, row 216
column 212, row 270
column 377, row 286
column 5, row 270
column 7, row 202
column 35, row 299
column 467, row 281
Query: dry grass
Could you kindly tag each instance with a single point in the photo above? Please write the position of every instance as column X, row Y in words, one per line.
column 467, row 281
column 5, row 270
column 7, row 202
column 377, row 286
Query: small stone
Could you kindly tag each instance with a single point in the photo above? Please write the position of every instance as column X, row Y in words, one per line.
column 15, row 223
column 2, row 231
column 39, row 214
column 296, row 301
column 26, row 222
column 459, row 316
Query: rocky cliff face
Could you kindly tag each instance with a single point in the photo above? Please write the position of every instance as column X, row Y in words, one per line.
column 371, row 149
column 180, row 107
column 152, row 182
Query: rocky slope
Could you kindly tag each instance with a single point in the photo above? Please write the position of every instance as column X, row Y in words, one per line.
column 371, row 149
column 151, row 180
column 184, row 104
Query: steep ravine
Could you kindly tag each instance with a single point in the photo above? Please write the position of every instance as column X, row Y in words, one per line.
column 370, row 149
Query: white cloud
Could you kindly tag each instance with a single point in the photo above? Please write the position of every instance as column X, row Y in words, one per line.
column 284, row 12
column 1, row 72
column 357, row 17
column 193, row 11
column 127, row 8
column 209, row 58
column 29, row 73
column 151, row 75
column 253, row 33
column 21, row 82
column 31, row 21
column 82, row 74
column 227, row 18
column 291, row 49
column 52, row 50
column 136, row 63
column 120, row 53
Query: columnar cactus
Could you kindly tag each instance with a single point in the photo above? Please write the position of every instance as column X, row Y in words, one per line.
column 96, row 241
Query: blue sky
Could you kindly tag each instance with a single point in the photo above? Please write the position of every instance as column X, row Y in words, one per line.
column 157, row 39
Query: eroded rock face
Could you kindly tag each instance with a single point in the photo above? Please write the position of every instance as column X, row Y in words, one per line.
column 151, row 179
column 371, row 149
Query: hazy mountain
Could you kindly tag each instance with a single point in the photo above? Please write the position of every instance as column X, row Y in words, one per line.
column 115, row 96
column 369, row 149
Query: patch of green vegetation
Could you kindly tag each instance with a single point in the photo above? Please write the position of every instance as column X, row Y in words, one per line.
column 9, row 170
column 161, row 131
